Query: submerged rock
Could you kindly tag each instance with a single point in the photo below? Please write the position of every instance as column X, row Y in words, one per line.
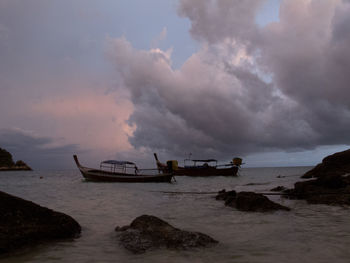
column 278, row 189
column 148, row 232
column 335, row 164
column 249, row 201
column 24, row 223
column 228, row 197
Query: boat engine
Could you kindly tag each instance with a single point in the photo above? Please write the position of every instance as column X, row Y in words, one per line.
column 237, row 161
column 172, row 165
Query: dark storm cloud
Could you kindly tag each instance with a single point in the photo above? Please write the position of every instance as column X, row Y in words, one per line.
column 37, row 152
column 216, row 104
column 310, row 61
column 206, row 107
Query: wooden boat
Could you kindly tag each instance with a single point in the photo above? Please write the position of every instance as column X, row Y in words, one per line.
column 208, row 167
column 119, row 171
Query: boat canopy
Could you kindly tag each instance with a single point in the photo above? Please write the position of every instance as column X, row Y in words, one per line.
column 120, row 166
column 115, row 162
column 205, row 161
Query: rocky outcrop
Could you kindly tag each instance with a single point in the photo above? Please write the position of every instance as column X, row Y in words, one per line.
column 331, row 185
column 249, row 201
column 329, row 190
column 24, row 223
column 5, row 158
column 335, row 164
column 7, row 163
column 149, row 232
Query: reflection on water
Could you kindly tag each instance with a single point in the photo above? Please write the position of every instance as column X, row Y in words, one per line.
column 309, row 233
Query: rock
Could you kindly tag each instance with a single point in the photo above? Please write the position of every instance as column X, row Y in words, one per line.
column 252, row 184
column 223, row 195
column 332, row 183
column 329, row 190
column 20, row 165
column 335, row 164
column 5, row 158
column 24, row 223
column 7, row 164
column 278, row 189
column 249, row 201
column 149, row 232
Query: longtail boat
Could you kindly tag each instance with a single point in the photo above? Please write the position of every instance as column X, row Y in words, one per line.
column 207, row 167
column 123, row 172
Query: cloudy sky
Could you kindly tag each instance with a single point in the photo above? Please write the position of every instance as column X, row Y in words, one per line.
column 267, row 80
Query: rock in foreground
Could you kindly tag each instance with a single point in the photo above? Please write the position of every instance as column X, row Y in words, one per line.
column 24, row 223
column 148, row 232
column 335, row 164
column 249, row 201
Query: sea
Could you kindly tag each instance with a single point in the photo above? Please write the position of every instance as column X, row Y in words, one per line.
column 307, row 233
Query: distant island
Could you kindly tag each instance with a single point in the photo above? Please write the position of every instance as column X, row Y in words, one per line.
column 7, row 163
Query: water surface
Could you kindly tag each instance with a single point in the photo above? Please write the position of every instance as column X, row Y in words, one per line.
column 308, row 233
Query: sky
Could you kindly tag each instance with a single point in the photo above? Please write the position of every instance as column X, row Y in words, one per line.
column 265, row 80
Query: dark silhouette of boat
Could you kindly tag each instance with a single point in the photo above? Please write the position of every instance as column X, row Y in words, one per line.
column 121, row 171
column 207, row 167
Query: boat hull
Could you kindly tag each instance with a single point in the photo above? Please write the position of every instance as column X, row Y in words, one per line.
column 100, row 176
column 95, row 175
column 204, row 170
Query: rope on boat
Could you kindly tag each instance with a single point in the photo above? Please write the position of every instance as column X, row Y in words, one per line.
column 208, row 193
column 169, row 192
column 263, row 193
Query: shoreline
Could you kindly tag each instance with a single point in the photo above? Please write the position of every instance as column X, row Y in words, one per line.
column 15, row 168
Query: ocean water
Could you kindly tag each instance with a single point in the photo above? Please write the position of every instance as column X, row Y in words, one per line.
column 308, row 233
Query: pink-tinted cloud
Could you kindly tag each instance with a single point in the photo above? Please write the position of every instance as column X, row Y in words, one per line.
column 91, row 119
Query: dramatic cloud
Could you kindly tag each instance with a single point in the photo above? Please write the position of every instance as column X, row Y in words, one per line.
column 208, row 79
column 279, row 87
column 200, row 107
column 308, row 54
